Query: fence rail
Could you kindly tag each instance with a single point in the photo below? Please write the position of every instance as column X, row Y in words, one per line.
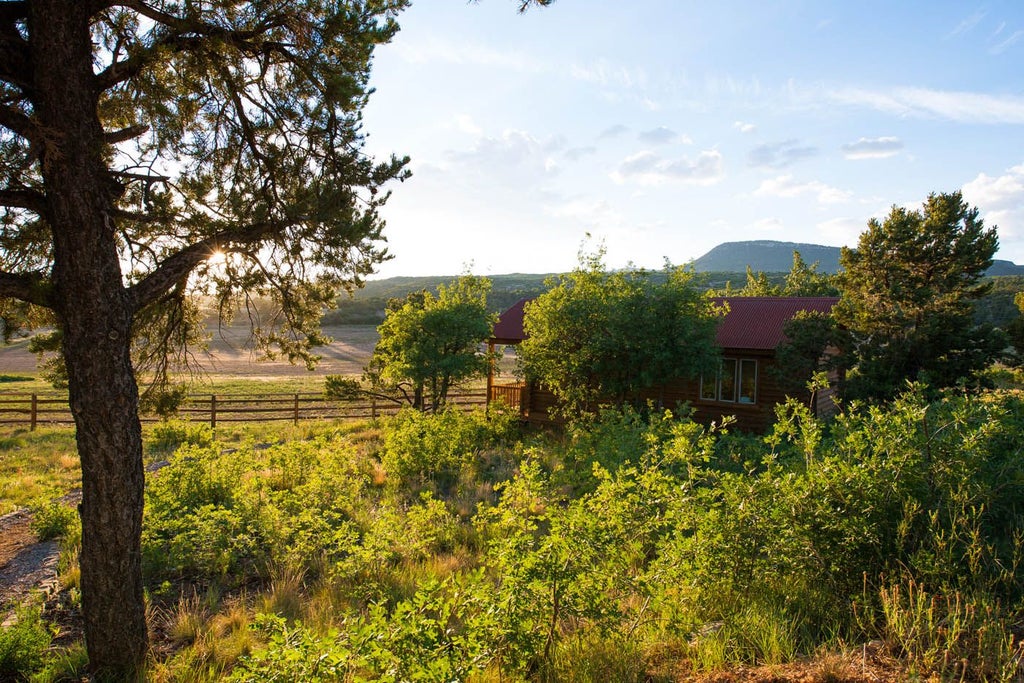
column 34, row 410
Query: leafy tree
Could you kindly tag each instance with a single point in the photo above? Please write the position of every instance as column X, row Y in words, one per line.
column 759, row 284
column 598, row 335
column 802, row 280
column 1015, row 328
column 906, row 297
column 429, row 344
column 152, row 151
column 805, row 280
column 814, row 344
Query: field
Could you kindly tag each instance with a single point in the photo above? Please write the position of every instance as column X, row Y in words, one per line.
column 886, row 546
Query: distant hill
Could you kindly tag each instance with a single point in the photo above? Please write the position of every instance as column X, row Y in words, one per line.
column 777, row 257
column 725, row 263
column 1004, row 268
column 766, row 255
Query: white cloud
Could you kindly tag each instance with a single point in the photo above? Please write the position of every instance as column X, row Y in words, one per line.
column 767, row 225
column 604, row 73
column 577, row 153
column 779, row 154
column 468, row 53
column 466, row 124
column 873, row 148
column 647, row 168
column 959, row 106
column 999, row 192
column 1001, row 201
column 841, row 231
column 662, row 136
column 613, row 131
column 785, row 186
column 592, row 213
column 744, row 127
column 1005, row 44
column 967, row 23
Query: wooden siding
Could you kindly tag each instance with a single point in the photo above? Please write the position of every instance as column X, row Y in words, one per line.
column 754, row 417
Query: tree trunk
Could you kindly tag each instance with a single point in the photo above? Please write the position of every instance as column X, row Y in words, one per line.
column 95, row 314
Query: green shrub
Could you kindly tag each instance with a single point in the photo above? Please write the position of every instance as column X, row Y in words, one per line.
column 434, row 450
column 956, row 637
column 55, row 520
column 23, row 645
column 167, row 436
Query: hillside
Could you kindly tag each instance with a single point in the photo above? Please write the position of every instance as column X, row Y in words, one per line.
column 766, row 255
column 770, row 256
column 725, row 263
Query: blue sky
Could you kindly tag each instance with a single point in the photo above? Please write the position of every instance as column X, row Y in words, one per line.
column 662, row 128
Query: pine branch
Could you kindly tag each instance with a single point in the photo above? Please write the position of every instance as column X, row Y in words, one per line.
column 23, row 198
column 31, row 288
column 175, row 268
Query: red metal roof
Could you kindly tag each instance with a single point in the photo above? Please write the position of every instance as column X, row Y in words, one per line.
column 757, row 322
column 753, row 322
column 509, row 328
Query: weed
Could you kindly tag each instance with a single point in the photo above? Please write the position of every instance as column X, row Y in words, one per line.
column 23, row 645
column 55, row 520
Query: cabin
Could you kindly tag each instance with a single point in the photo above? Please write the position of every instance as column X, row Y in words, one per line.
column 748, row 336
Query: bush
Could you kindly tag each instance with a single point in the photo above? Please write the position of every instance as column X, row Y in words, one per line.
column 434, row 450
column 167, row 436
column 23, row 645
column 54, row 520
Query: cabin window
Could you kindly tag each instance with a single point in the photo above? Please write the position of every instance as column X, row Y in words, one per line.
column 735, row 381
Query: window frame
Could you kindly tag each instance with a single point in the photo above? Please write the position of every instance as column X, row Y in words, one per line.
column 739, row 366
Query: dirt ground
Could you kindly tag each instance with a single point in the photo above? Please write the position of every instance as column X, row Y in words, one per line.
column 26, row 564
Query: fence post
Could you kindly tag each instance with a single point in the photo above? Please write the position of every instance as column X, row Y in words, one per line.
column 213, row 411
column 296, row 410
column 33, row 413
column 373, row 407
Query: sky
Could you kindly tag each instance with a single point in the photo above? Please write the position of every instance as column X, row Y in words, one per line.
column 659, row 129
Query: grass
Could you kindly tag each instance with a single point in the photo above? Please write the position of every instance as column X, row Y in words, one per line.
column 36, row 467
column 350, row 562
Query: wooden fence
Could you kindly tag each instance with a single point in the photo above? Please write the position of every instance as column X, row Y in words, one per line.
column 33, row 409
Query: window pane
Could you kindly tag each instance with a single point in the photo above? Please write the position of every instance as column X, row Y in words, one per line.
column 728, row 382
column 748, row 381
column 708, row 387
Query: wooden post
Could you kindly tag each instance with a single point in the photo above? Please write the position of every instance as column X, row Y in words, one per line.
column 491, row 360
column 33, row 413
column 296, row 409
column 373, row 407
column 213, row 411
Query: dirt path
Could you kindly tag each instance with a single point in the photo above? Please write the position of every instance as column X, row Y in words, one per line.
column 26, row 564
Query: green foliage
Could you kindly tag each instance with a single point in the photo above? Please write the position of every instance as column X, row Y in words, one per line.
column 23, row 645
column 633, row 534
column 429, row 344
column 430, row 637
column 953, row 636
column 168, row 435
column 437, row 449
column 55, row 520
column 802, row 280
column 906, row 298
column 342, row 388
column 606, row 336
column 1015, row 329
column 814, row 343
column 217, row 515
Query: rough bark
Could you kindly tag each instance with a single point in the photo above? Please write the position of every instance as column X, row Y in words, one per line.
column 95, row 314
